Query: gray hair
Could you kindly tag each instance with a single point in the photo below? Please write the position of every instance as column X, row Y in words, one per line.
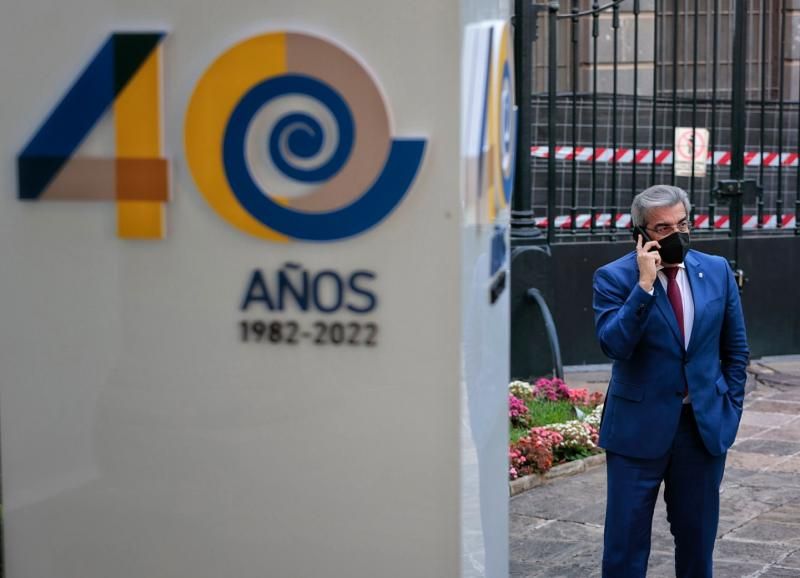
column 654, row 197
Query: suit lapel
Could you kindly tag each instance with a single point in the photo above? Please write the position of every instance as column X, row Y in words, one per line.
column 663, row 304
column 696, row 277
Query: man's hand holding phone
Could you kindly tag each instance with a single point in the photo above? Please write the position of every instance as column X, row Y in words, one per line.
column 648, row 260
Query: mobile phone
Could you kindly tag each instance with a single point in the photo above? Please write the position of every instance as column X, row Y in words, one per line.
column 636, row 231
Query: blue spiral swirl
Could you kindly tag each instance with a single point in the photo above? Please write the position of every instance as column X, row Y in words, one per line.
column 399, row 170
column 508, row 132
column 305, row 138
column 303, row 135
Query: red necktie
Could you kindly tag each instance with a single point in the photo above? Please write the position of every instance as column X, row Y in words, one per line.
column 674, row 295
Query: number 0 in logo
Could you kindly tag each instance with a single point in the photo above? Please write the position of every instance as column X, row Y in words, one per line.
column 288, row 138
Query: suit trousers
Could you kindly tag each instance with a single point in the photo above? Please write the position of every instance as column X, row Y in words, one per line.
column 692, row 477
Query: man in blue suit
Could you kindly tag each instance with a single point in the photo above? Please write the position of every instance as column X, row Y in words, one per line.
column 671, row 320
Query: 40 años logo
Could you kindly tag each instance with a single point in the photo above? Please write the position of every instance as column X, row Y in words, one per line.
column 288, row 138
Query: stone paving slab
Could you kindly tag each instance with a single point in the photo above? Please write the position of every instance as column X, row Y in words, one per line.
column 767, row 530
column 768, row 447
column 790, row 465
column 556, row 528
column 781, row 380
column 734, row 474
column 785, row 514
column 775, row 406
column 780, row 396
column 593, row 514
column 766, row 419
column 729, row 550
column 573, row 567
column 783, row 481
column 753, row 489
column 779, row 572
column 742, row 503
column 746, row 431
column 758, row 461
column 735, row 569
column 792, row 560
column 789, row 432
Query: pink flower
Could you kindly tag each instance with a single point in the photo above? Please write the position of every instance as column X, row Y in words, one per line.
column 552, row 389
column 545, row 437
column 517, row 411
column 578, row 396
column 596, row 398
column 555, row 389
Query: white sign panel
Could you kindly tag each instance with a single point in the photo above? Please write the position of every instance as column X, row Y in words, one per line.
column 237, row 288
column 691, row 151
column 488, row 149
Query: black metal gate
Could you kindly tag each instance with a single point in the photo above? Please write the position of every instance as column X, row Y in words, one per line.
column 605, row 88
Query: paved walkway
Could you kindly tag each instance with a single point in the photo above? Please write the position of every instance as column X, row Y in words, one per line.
column 557, row 529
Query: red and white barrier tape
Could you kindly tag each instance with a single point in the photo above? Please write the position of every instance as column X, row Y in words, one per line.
column 623, row 221
column 659, row 156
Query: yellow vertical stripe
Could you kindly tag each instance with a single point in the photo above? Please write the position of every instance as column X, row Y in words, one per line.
column 138, row 123
column 215, row 96
column 492, row 121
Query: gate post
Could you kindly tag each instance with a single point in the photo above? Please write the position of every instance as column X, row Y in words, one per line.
column 733, row 190
column 738, row 86
column 526, row 32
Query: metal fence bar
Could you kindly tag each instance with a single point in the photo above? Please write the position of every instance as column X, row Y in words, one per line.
column 575, row 35
column 738, row 120
column 636, row 8
column 762, row 124
column 614, row 127
column 591, row 131
column 781, row 78
column 525, row 34
column 674, row 74
column 656, row 22
column 595, row 36
column 694, row 105
column 552, row 80
column 712, row 205
column 738, row 87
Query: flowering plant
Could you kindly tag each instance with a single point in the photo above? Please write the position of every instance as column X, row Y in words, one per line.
column 578, row 396
column 579, row 440
column 521, row 389
column 517, row 411
column 552, row 389
column 544, row 446
column 593, row 419
column 582, row 396
column 548, row 435
column 532, row 454
column 594, row 434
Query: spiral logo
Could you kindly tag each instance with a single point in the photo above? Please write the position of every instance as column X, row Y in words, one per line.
column 288, row 138
column 502, row 117
column 508, row 128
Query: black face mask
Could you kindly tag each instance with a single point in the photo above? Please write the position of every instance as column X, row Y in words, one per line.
column 674, row 248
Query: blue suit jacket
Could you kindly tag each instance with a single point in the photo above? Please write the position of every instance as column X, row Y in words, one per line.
column 651, row 366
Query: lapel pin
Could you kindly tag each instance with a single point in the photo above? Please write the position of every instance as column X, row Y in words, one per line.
column 700, row 274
